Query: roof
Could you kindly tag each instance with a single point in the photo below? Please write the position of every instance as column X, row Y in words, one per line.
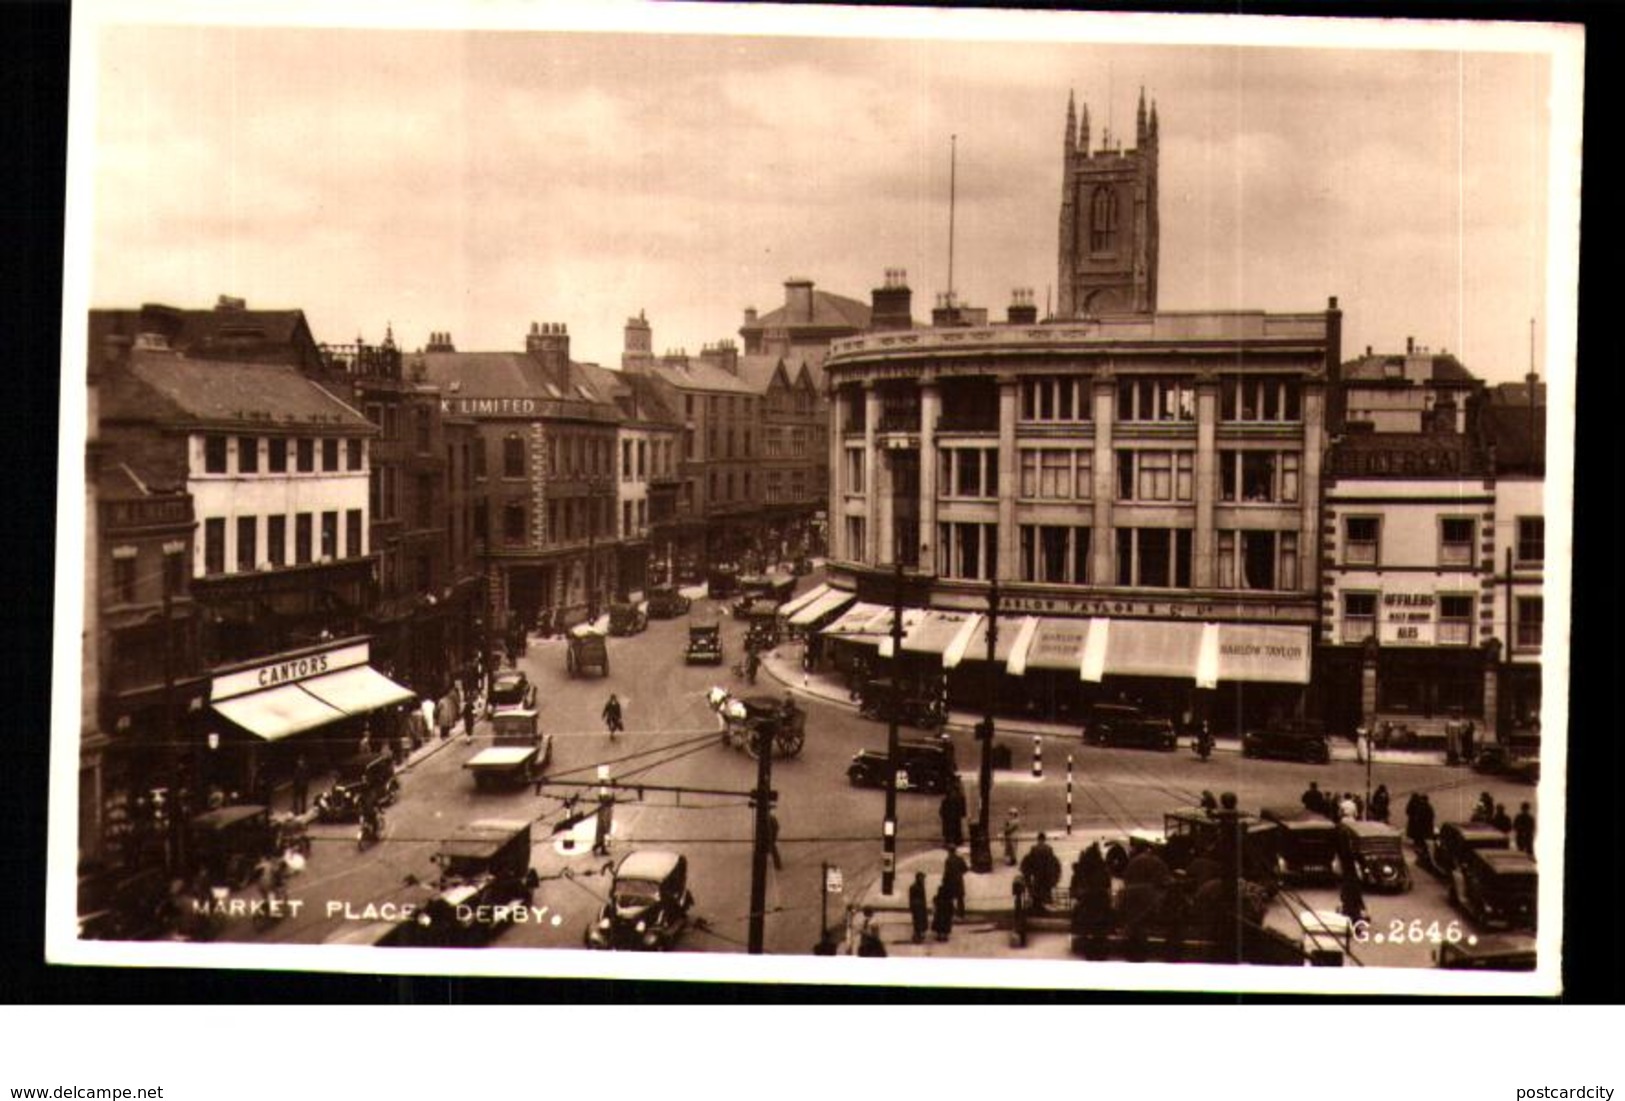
column 653, row 864
column 638, row 396
column 1519, row 444
column 758, row 371
column 828, row 311
column 1375, row 368
column 222, row 332
column 231, row 394
column 515, row 374
column 695, row 374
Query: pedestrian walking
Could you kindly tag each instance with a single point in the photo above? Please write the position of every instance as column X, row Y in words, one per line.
column 773, row 841
column 1352, row 899
column 445, row 715
column 942, row 914
column 1208, row 803
column 1484, row 811
column 917, row 909
column 468, row 716
column 1042, row 871
column 1523, row 830
column 303, row 785
column 1468, row 734
column 1379, row 804
column 1347, row 809
column 952, row 812
column 1501, row 820
column 612, row 715
column 953, row 879
column 602, row 823
column 1012, row 823
column 869, row 942
column 1313, row 799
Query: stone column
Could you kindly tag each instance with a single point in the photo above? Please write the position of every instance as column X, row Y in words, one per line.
column 1008, row 535
column 1102, row 538
column 1204, row 567
column 871, row 475
column 930, row 410
column 836, row 447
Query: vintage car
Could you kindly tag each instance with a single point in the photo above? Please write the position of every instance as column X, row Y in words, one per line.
column 666, row 603
column 1306, row 844
column 627, row 619
column 649, row 903
column 801, row 567
column 400, row 919
column 914, row 705
column 704, row 641
column 1111, row 724
column 517, row 755
column 485, row 875
column 1503, row 760
column 1456, row 839
column 1288, row 740
column 1492, row 952
column 367, row 777
column 228, row 844
column 1194, row 833
column 777, row 588
column 721, row 582
column 1373, row 851
column 923, row 764
column 586, row 649
column 511, row 688
column 123, row 904
column 1497, row 888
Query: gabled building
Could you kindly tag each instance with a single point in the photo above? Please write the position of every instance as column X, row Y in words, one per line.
column 793, row 456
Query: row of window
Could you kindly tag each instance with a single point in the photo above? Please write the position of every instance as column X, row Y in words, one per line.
column 636, row 456
column 1454, row 626
column 133, row 580
column 780, row 442
column 775, row 482
column 721, row 486
column 1165, row 400
column 307, row 454
column 1362, row 541
column 315, row 537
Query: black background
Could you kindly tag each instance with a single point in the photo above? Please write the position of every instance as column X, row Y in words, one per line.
column 35, row 78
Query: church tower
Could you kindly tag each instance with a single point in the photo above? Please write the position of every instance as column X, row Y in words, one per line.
column 1108, row 234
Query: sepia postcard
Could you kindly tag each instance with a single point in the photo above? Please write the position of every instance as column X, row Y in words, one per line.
column 833, row 495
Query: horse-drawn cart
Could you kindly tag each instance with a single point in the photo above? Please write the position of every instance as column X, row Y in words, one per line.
column 749, row 721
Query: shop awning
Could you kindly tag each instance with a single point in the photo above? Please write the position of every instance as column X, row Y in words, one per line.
column 976, row 647
column 276, row 713
column 791, row 607
column 830, row 602
column 1058, row 644
column 934, row 633
column 1258, row 652
column 1153, row 648
column 856, row 621
column 912, row 618
column 1016, row 666
column 357, row 690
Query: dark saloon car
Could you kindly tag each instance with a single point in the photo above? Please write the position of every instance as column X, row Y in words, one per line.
column 1456, row 839
column 627, row 619
column 667, row 603
column 511, row 688
column 1497, row 888
column 1494, row 952
column 1288, row 740
column 649, row 903
column 925, row 765
column 1373, row 851
column 1306, row 845
column 1113, row 724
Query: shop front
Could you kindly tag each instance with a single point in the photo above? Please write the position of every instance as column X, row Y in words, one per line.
column 315, row 703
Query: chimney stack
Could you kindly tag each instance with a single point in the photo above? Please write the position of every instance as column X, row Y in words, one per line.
column 892, row 303
column 798, row 301
column 1023, row 308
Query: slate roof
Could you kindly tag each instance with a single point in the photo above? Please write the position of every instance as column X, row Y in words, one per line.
column 489, row 375
column 699, row 375
column 1517, row 448
column 164, row 386
column 828, row 311
column 223, row 333
column 1374, row 368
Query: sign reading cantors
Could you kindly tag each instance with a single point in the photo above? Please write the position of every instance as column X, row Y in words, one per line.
column 1407, row 618
column 288, row 670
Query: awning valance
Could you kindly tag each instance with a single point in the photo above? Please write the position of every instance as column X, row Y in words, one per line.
column 1058, row 644
column 830, row 602
column 935, row 632
column 1153, row 648
column 278, row 712
column 1259, row 652
column 856, row 621
column 357, row 690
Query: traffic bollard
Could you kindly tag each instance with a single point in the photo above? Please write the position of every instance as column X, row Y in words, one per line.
column 1038, row 757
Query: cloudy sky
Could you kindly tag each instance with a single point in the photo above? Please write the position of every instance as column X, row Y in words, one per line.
column 477, row 180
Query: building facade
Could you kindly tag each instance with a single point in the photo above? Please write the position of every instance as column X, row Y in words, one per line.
column 1143, row 488
column 1515, row 416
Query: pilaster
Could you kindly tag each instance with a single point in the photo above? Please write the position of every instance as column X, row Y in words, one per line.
column 1009, row 537
column 1102, row 542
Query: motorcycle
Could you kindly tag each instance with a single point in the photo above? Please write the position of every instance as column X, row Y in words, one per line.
column 371, row 828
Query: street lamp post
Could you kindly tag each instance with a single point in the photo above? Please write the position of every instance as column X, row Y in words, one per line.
column 888, row 867
column 981, row 854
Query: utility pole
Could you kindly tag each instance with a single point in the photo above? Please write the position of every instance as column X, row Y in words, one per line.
column 762, row 799
column 981, row 855
column 888, row 859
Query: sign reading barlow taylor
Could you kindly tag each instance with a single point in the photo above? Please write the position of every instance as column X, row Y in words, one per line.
column 1014, row 603
column 288, row 669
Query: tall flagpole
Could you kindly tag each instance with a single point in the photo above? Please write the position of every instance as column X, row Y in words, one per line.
column 953, row 164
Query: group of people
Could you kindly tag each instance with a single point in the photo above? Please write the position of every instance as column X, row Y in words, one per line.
column 1349, row 805
column 1521, row 827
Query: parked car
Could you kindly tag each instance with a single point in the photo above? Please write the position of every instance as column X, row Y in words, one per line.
column 1374, row 852
column 667, row 603
column 649, row 903
column 1288, row 740
column 1306, row 846
column 704, row 641
column 1502, row 760
column 519, row 751
column 925, row 765
column 721, row 582
column 1456, row 839
column 227, row 844
column 915, row 705
column 510, row 688
column 627, row 619
column 485, row 874
column 1497, row 888
column 1492, row 952
column 1112, row 724
column 586, row 649
column 1195, row 833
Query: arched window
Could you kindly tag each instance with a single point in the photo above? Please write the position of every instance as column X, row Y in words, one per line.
column 513, row 456
column 1103, row 220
